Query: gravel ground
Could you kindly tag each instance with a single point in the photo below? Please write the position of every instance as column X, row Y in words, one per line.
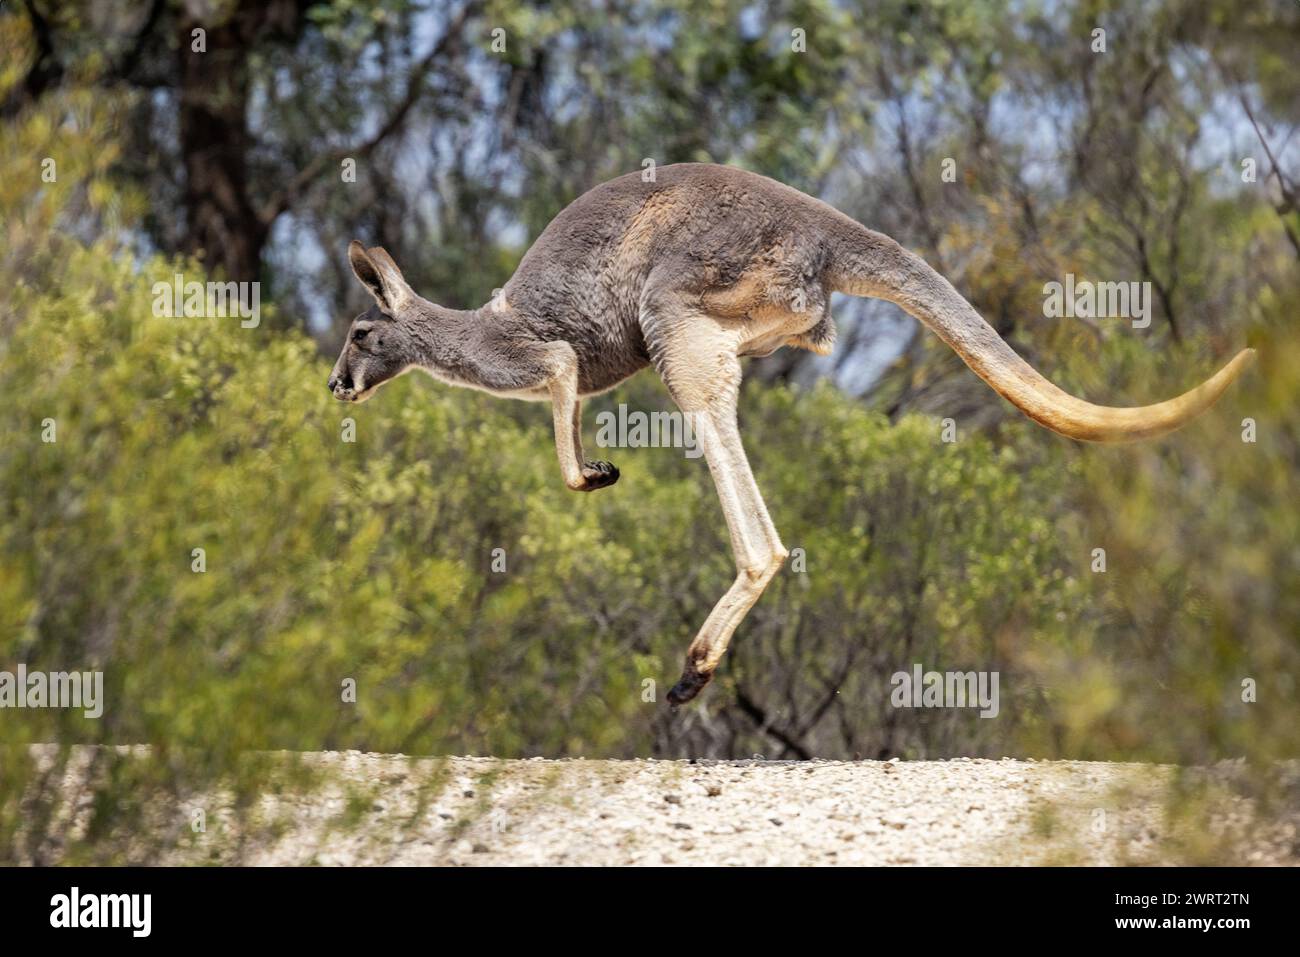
column 389, row 809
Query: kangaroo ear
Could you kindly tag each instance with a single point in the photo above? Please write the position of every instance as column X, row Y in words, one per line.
column 378, row 273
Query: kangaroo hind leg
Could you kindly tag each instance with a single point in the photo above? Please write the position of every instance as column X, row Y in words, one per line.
column 702, row 372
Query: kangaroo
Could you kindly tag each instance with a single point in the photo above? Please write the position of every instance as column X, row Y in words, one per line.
column 690, row 272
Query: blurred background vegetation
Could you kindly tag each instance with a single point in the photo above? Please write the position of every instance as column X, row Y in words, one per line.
column 372, row 560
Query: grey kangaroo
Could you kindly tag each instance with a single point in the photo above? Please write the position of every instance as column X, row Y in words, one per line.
column 690, row 272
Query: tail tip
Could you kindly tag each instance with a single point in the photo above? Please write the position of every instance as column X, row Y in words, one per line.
column 1242, row 361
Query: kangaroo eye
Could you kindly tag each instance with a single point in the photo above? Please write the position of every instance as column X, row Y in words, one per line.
column 359, row 335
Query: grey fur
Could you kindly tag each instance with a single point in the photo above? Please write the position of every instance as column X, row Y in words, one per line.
column 621, row 245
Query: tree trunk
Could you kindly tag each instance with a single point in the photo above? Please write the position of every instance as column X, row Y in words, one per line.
column 222, row 225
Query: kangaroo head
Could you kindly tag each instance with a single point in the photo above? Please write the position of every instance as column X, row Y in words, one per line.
column 380, row 343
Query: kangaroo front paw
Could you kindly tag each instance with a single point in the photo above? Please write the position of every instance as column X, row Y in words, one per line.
column 597, row 475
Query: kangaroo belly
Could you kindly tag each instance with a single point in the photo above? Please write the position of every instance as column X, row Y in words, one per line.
column 601, row 369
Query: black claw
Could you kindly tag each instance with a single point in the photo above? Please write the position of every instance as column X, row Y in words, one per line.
column 691, row 683
column 599, row 475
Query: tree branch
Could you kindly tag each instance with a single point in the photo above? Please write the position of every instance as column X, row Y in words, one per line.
column 756, row 714
column 46, row 71
column 285, row 199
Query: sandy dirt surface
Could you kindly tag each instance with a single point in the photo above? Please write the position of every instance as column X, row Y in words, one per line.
column 385, row 809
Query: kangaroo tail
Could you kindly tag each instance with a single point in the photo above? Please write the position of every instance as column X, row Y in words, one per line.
column 880, row 268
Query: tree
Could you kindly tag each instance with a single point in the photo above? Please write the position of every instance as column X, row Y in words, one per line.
column 210, row 127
